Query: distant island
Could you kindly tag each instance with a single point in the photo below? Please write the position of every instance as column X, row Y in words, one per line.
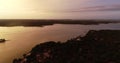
column 101, row 46
column 40, row 23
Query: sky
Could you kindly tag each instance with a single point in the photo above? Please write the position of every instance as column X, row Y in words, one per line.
column 59, row 9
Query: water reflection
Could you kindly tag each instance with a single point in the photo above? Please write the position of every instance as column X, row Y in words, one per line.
column 22, row 39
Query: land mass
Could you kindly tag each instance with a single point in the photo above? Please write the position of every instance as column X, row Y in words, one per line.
column 40, row 23
column 101, row 46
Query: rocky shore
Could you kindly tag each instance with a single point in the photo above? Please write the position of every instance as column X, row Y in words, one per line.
column 101, row 46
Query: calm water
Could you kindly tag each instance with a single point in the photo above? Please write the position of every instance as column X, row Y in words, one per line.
column 22, row 39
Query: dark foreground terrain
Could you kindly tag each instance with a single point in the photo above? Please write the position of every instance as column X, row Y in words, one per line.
column 39, row 23
column 96, row 47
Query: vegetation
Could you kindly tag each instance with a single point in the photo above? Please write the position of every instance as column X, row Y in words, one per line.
column 32, row 22
column 96, row 47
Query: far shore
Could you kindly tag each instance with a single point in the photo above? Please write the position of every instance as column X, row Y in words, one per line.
column 40, row 23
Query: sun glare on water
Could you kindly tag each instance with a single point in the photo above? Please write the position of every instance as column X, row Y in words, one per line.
column 6, row 31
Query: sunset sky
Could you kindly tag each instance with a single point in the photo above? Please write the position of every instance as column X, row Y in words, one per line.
column 59, row 9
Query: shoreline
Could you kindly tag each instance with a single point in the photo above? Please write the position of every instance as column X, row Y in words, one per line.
column 95, row 46
column 40, row 23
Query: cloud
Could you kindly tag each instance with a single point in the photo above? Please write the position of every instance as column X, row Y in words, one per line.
column 115, row 7
column 99, row 8
column 104, row 8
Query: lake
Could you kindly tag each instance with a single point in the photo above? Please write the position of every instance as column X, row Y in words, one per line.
column 21, row 39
